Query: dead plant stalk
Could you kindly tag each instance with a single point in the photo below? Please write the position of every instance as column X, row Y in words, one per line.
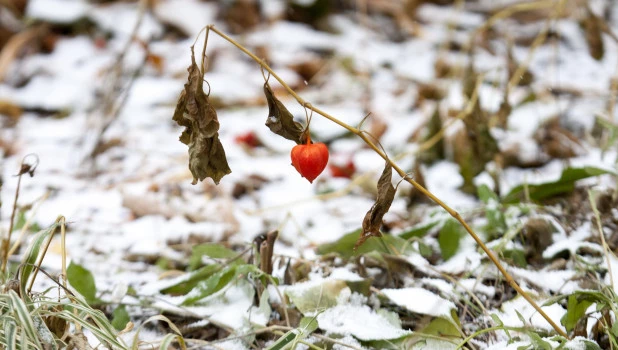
column 367, row 139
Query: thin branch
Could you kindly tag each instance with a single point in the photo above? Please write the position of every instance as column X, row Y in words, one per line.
column 403, row 174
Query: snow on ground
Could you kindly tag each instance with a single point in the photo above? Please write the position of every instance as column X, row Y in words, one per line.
column 141, row 202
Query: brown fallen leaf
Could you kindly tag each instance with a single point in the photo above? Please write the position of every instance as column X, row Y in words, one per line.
column 280, row 120
column 10, row 110
column 591, row 25
column 240, row 15
column 373, row 219
column 201, row 134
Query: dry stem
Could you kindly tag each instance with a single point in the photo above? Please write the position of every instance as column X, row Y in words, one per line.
column 401, row 173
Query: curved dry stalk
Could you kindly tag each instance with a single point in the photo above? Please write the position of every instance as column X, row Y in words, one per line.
column 401, row 173
column 508, row 12
column 538, row 41
column 26, row 226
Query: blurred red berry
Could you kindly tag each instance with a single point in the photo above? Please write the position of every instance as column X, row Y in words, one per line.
column 248, row 139
column 343, row 170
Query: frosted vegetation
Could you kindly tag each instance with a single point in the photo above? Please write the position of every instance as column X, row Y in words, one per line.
column 462, row 189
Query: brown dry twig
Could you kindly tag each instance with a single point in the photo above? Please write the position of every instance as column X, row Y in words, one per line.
column 402, row 173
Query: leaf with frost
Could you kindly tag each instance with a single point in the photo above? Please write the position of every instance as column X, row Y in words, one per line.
column 359, row 321
column 421, row 301
column 311, row 297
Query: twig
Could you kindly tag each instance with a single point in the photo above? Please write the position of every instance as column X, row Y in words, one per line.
column 403, row 174
column 538, row 41
column 24, row 228
column 7, row 243
column 25, row 168
column 113, row 103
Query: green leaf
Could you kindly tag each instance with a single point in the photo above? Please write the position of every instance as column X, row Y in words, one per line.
column 10, row 333
column 576, row 309
column 486, row 195
column 538, row 342
column 308, row 325
column 120, row 317
column 497, row 320
column 29, row 259
column 448, row 238
column 442, row 327
column 285, row 340
column 192, row 279
column 419, row 230
column 493, row 210
column 311, row 299
column 219, row 280
column 521, row 317
column 515, row 256
column 424, row 250
column 82, row 280
column 20, row 221
column 213, row 284
column 589, row 344
column 565, row 184
column 344, row 246
column 212, row 250
column 22, row 315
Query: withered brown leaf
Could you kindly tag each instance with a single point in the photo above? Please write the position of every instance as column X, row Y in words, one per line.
column 592, row 27
column 280, row 120
column 201, row 134
column 373, row 219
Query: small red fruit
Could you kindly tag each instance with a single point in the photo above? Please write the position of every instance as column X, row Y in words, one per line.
column 343, row 170
column 310, row 159
column 248, row 139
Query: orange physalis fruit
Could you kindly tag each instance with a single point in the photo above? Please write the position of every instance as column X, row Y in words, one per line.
column 310, row 159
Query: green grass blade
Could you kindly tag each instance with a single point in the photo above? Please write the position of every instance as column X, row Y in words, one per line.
column 285, row 340
column 167, row 341
column 20, row 310
column 135, row 345
column 10, row 335
column 29, row 259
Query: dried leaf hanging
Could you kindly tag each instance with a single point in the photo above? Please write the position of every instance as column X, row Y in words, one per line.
column 280, row 120
column 373, row 219
column 194, row 111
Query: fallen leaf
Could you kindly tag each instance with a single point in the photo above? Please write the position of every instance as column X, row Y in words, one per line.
column 373, row 219
column 280, row 120
column 196, row 114
column 592, row 29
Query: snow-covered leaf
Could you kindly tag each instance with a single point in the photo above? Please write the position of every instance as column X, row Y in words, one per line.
column 360, row 321
column 421, row 301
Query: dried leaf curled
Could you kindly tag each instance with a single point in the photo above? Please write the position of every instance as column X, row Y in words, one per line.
column 373, row 219
column 280, row 120
column 201, row 134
